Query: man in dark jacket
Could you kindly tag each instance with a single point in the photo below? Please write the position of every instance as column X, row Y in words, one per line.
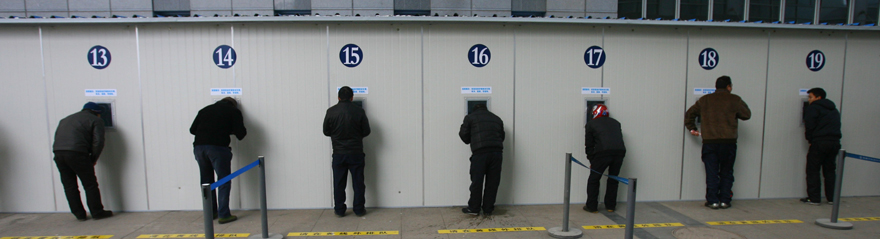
column 604, row 145
column 484, row 131
column 347, row 125
column 79, row 140
column 719, row 112
column 212, row 128
column 822, row 129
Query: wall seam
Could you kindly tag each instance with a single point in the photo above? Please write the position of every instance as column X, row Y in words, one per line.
column 684, row 138
column 48, row 127
column 513, row 124
column 232, row 41
column 423, row 112
column 764, row 124
column 137, row 40
column 327, row 32
column 843, row 77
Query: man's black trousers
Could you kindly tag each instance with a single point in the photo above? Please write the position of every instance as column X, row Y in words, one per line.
column 342, row 165
column 613, row 164
column 76, row 164
column 484, row 165
column 822, row 156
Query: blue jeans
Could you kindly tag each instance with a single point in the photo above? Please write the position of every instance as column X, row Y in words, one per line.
column 212, row 158
column 342, row 165
column 719, row 159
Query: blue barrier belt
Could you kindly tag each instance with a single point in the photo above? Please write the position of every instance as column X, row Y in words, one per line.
column 622, row 180
column 233, row 175
column 862, row 157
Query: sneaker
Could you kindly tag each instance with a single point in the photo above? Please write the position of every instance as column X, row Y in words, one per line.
column 227, row 219
column 724, row 205
column 468, row 211
column 102, row 215
column 361, row 214
column 339, row 214
column 830, row 203
column 712, row 205
column 82, row 219
column 809, row 202
column 590, row 210
column 486, row 214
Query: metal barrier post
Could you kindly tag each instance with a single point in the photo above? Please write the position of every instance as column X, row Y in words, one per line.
column 832, row 222
column 630, row 207
column 564, row 231
column 263, row 207
column 208, row 208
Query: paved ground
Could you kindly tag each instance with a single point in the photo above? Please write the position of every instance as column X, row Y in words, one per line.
column 425, row 222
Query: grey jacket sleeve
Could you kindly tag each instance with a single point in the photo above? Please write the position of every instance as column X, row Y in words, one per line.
column 97, row 139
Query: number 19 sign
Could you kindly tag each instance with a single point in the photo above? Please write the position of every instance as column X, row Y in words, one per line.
column 99, row 57
column 815, row 60
column 224, row 56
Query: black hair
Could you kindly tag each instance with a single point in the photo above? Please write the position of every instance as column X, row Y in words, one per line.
column 231, row 100
column 345, row 93
column 818, row 92
column 723, row 82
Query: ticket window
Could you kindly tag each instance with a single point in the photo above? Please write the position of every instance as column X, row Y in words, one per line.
column 107, row 113
column 359, row 102
column 474, row 102
column 589, row 110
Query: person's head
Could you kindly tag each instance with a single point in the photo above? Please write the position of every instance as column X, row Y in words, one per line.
column 479, row 106
column 600, row 110
column 815, row 94
column 345, row 94
column 724, row 83
column 230, row 100
column 93, row 107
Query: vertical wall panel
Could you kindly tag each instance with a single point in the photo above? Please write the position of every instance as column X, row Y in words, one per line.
column 391, row 69
column 26, row 182
column 784, row 163
column 447, row 69
column 282, row 70
column 550, row 71
column 742, row 56
column 177, row 74
column 644, row 73
column 859, row 111
column 120, row 168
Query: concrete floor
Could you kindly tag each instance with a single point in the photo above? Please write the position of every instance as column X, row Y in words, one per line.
column 425, row 222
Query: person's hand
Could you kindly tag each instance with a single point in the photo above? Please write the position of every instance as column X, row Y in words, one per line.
column 695, row 133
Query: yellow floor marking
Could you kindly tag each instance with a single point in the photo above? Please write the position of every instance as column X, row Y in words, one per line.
column 357, row 233
column 635, row 226
column 482, row 230
column 194, row 235
column 755, row 222
column 859, row 219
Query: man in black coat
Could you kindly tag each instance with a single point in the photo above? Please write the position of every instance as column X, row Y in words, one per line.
column 79, row 140
column 484, row 131
column 347, row 125
column 603, row 141
column 212, row 128
column 822, row 130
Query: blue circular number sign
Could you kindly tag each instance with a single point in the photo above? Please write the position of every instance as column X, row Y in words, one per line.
column 594, row 57
column 815, row 60
column 224, row 56
column 351, row 55
column 479, row 55
column 708, row 58
column 99, row 57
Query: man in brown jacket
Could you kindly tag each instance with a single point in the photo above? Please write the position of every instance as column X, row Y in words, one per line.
column 719, row 112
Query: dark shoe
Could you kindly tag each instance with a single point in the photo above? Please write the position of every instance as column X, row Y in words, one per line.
column 227, row 219
column 216, row 215
column 82, row 219
column 810, row 202
column 361, row 214
column 468, row 211
column 102, row 215
column 486, row 214
column 725, row 205
column 712, row 205
column 338, row 214
column 830, row 203
column 610, row 209
column 590, row 210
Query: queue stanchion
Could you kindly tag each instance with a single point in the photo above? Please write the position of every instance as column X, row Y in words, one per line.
column 832, row 222
column 264, row 217
column 565, row 231
column 208, row 208
column 630, row 207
